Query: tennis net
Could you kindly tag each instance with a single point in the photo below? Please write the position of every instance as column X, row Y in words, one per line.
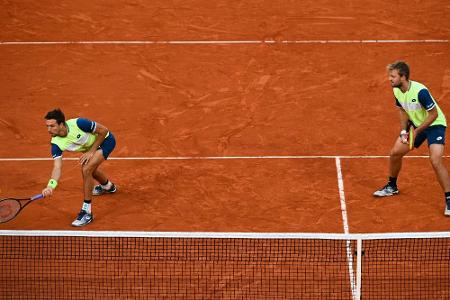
column 182, row 265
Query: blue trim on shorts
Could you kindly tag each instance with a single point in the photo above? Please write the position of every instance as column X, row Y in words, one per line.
column 108, row 145
column 434, row 134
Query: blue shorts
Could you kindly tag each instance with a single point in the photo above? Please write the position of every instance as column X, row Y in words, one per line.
column 434, row 134
column 108, row 145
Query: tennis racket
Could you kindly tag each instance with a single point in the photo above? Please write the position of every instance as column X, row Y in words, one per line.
column 411, row 137
column 11, row 207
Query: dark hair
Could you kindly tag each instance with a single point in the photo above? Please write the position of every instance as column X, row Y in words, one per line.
column 402, row 68
column 57, row 115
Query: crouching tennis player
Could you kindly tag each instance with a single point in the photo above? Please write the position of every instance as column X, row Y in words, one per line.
column 95, row 142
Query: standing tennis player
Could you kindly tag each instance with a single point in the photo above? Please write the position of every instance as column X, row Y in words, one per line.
column 95, row 142
column 417, row 107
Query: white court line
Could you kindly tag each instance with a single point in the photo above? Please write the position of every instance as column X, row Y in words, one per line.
column 222, row 157
column 222, row 42
column 232, row 235
column 345, row 225
column 342, row 195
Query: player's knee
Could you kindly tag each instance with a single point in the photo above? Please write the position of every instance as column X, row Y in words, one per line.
column 395, row 154
column 436, row 161
column 88, row 170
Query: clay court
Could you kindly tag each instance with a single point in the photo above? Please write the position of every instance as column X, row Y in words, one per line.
column 223, row 100
column 230, row 116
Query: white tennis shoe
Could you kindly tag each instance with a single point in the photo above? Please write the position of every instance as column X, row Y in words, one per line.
column 386, row 191
column 83, row 218
column 99, row 190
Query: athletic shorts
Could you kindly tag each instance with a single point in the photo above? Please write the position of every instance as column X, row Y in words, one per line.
column 434, row 134
column 108, row 145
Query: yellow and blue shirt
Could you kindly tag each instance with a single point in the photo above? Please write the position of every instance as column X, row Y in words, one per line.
column 80, row 137
column 416, row 102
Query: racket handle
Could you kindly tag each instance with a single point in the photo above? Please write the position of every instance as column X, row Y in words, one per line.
column 38, row 196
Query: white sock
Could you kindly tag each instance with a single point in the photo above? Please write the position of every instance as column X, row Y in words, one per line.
column 86, row 207
column 107, row 186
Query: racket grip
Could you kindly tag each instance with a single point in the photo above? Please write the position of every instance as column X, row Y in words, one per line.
column 38, row 196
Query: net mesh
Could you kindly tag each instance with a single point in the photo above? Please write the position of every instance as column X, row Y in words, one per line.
column 406, row 269
column 79, row 267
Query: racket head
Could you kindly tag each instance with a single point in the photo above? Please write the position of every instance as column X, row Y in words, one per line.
column 9, row 208
column 411, row 137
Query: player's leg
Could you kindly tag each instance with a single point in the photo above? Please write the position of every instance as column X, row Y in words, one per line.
column 88, row 171
column 85, row 215
column 105, row 186
column 99, row 176
column 395, row 165
column 436, row 139
column 436, row 154
column 396, row 157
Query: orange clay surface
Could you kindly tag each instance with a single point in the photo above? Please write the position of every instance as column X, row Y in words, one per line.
column 181, row 100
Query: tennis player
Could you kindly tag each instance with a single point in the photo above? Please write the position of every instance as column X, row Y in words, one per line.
column 95, row 142
column 417, row 107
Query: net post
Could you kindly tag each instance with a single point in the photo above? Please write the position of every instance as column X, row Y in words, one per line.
column 359, row 254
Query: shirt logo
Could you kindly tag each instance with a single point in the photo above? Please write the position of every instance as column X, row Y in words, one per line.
column 413, row 100
column 78, row 136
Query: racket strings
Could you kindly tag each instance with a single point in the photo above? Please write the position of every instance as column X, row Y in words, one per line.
column 8, row 209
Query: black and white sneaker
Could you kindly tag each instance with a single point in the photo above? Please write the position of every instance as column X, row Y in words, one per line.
column 447, row 211
column 385, row 191
column 99, row 190
column 83, row 218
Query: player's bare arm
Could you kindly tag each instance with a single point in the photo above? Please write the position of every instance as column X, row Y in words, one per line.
column 404, row 119
column 101, row 132
column 432, row 116
column 56, row 175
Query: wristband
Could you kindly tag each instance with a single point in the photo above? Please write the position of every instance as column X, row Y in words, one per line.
column 52, row 183
column 403, row 132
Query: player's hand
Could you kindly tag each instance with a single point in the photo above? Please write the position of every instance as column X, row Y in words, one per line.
column 84, row 159
column 48, row 191
column 404, row 137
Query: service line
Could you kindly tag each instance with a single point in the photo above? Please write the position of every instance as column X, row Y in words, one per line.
column 222, row 42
